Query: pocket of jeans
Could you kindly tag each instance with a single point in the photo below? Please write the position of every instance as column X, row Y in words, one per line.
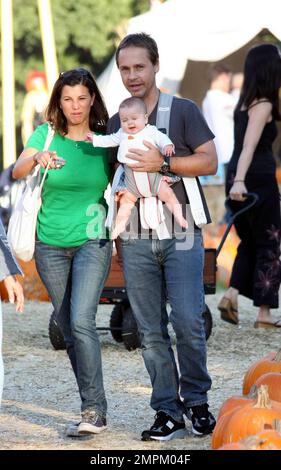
column 127, row 241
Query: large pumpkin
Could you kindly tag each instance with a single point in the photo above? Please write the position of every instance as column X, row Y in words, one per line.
column 234, row 402
column 218, row 433
column 252, row 418
column 273, row 381
column 269, row 363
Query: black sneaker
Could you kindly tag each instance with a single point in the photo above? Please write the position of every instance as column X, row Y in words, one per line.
column 203, row 422
column 164, row 429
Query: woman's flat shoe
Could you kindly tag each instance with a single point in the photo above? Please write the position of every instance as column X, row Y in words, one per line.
column 264, row 324
column 228, row 312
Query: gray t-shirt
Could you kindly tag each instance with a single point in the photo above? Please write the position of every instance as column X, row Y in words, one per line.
column 188, row 130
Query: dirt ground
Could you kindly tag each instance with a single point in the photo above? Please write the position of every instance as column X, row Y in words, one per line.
column 40, row 395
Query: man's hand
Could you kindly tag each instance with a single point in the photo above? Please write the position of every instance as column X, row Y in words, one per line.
column 15, row 292
column 146, row 160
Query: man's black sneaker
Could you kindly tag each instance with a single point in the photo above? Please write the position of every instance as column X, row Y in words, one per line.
column 203, row 422
column 164, row 429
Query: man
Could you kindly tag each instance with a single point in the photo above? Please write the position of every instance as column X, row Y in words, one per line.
column 218, row 107
column 154, row 268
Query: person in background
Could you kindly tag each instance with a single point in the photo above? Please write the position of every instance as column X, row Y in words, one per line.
column 156, row 269
column 8, row 269
column 218, row 107
column 73, row 250
column 134, row 130
column 34, row 103
column 236, row 86
column 256, row 271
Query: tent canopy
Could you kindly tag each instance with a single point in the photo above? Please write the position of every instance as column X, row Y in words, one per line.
column 202, row 30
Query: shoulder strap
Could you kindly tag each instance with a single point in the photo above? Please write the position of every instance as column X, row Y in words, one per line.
column 192, row 185
column 163, row 112
column 49, row 137
column 258, row 102
column 47, row 144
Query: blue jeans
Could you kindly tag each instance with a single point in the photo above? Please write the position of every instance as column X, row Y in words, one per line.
column 154, row 270
column 74, row 279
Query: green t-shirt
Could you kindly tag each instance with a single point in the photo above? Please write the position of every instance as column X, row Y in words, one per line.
column 73, row 206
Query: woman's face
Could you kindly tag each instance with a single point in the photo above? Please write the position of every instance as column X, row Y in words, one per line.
column 76, row 103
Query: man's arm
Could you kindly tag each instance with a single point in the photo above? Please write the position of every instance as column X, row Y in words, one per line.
column 202, row 162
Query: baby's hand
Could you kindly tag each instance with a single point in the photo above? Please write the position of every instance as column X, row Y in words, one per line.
column 169, row 150
column 89, row 137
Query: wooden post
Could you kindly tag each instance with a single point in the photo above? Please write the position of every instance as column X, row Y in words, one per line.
column 48, row 42
column 8, row 83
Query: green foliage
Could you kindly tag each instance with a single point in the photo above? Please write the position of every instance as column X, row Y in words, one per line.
column 86, row 33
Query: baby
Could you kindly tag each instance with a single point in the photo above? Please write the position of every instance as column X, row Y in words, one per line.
column 134, row 130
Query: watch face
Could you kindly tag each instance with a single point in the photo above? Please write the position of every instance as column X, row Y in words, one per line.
column 165, row 167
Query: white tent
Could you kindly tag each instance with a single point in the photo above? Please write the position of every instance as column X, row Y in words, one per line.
column 203, row 30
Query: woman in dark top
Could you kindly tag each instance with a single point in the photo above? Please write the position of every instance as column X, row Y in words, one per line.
column 256, row 270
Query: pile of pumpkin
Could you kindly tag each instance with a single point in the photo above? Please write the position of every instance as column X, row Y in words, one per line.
column 253, row 421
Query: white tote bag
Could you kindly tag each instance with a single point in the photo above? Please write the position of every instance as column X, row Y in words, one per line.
column 22, row 225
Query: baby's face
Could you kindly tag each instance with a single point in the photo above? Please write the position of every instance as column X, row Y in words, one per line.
column 132, row 120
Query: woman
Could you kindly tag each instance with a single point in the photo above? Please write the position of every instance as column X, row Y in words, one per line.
column 8, row 269
column 73, row 252
column 256, row 270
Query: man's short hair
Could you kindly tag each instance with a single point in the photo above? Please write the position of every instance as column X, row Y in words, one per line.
column 133, row 101
column 217, row 70
column 140, row 40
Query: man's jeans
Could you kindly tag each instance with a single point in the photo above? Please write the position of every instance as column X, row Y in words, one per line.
column 154, row 269
column 74, row 278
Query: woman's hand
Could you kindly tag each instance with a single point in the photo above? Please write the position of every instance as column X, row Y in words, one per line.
column 15, row 292
column 237, row 190
column 43, row 158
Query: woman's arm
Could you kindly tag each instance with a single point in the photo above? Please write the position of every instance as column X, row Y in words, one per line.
column 259, row 115
column 28, row 160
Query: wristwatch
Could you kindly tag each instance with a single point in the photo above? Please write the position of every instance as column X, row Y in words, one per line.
column 165, row 167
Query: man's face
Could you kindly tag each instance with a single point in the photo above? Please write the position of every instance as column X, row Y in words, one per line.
column 137, row 71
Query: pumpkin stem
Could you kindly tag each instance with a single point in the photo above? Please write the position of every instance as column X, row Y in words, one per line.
column 253, row 393
column 278, row 356
column 263, row 400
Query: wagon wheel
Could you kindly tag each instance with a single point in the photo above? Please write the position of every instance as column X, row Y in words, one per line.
column 116, row 321
column 130, row 332
column 55, row 335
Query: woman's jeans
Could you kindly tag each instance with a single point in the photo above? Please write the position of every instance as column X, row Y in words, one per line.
column 153, row 270
column 74, row 278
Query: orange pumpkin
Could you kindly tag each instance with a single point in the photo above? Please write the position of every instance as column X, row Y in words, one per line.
column 273, row 381
column 269, row 363
column 233, row 402
column 252, row 418
column 218, row 433
column 268, row 440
